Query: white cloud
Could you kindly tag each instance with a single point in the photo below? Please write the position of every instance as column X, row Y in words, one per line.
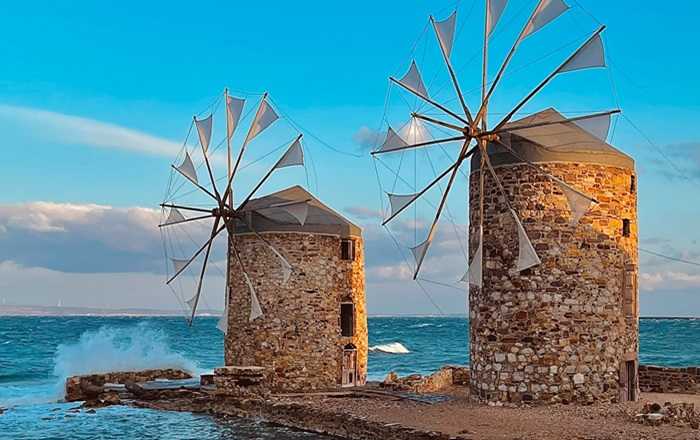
column 367, row 138
column 668, row 281
column 90, row 132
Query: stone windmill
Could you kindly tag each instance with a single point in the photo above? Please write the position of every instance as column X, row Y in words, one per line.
column 552, row 272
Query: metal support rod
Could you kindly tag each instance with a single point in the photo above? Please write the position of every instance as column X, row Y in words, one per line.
column 430, row 101
column 545, row 81
column 467, row 113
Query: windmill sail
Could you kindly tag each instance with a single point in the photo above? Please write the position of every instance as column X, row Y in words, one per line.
column 578, row 203
column 527, row 257
column 392, row 141
column 174, row 216
column 187, row 168
column 255, row 310
column 546, row 12
column 590, row 55
column 421, row 250
column 264, row 117
column 234, row 108
column 445, row 31
column 286, row 267
column 179, row 264
column 494, row 10
column 474, row 275
column 293, row 156
column 222, row 323
column 399, row 201
column 204, row 131
column 598, row 126
column 413, row 81
column 191, row 302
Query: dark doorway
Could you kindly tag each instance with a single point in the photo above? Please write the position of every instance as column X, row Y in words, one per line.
column 631, row 367
column 347, row 319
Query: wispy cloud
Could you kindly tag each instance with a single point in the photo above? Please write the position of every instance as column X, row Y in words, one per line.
column 89, row 132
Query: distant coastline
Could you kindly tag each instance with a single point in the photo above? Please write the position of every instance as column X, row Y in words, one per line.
column 53, row 311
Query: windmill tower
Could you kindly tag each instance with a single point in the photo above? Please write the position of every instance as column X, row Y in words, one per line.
column 294, row 276
column 552, row 229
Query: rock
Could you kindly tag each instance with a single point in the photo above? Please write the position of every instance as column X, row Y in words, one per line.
column 579, row 378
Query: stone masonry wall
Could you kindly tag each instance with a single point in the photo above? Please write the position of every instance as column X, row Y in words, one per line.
column 653, row 379
column 298, row 339
column 560, row 331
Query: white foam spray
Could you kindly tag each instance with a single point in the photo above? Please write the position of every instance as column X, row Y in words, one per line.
column 392, row 348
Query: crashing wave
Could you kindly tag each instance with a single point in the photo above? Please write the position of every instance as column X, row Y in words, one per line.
column 392, row 348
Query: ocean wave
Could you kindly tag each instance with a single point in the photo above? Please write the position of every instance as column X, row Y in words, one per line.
column 392, row 348
column 424, row 324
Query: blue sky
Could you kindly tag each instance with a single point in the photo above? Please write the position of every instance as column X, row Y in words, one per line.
column 83, row 80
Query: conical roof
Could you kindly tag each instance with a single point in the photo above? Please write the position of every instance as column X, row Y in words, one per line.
column 565, row 142
column 271, row 213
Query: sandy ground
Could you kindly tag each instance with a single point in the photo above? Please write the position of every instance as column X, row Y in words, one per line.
column 462, row 418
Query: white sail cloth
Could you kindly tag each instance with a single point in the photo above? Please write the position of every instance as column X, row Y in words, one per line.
column 204, row 127
column 293, row 156
column 399, row 201
column 598, row 126
column 234, row 108
column 590, row 55
column 179, row 264
column 474, row 275
column 545, row 12
column 412, row 81
column 445, row 31
column 222, row 323
column 255, row 310
column 392, row 141
column 527, row 257
column 286, row 267
column 493, row 14
column 579, row 204
column 264, row 117
column 187, row 168
column 421, row 250
column 174, row 217
column 414, row 132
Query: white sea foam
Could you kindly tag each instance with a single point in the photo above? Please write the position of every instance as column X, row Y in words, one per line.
column 134, row 348
column 393, row 348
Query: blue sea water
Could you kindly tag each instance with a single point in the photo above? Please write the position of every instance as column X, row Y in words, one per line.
column 37, row 353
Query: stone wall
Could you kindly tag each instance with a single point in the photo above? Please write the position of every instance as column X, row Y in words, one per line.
column 560, row 331
column 91, row 385
column 298, row 340
column 654, row 379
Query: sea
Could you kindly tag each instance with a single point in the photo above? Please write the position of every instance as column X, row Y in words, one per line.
column 38, row 353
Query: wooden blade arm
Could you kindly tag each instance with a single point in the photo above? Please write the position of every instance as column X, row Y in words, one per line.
column 211, row 174
column 440, row 123
column 187, row 220
column 544, row 124
column 186, row 208
column 546, row 81
column 264, row 179
column 455, row 83
column 421, row 144
column 430, row 101
column 204, row 269
column 199, row 251
column 240, row 155
column 195, row 183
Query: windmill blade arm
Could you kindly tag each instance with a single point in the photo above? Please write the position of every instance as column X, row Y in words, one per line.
column 215, row 232
column 263, row 180
column 204, row 269
column 186, row 208
column 240, row 153
column 546, row 81
column 544, row 124
column 421, row 144
column 217, row 196
column 438, row 122
column 187, row 220
column 455, row 83
column 430, row 101
column 195, row 183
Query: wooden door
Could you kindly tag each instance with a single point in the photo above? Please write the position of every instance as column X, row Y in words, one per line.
column 349, row 368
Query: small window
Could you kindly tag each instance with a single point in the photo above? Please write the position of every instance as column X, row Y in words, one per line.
column 633, row 184
column 347, row 249
column 626, row 227
column 347, row 319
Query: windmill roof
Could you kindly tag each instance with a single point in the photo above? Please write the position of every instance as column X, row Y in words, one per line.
column 565, row 142
column 267, row 214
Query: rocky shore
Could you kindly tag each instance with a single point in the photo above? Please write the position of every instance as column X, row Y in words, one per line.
column 394, row 411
